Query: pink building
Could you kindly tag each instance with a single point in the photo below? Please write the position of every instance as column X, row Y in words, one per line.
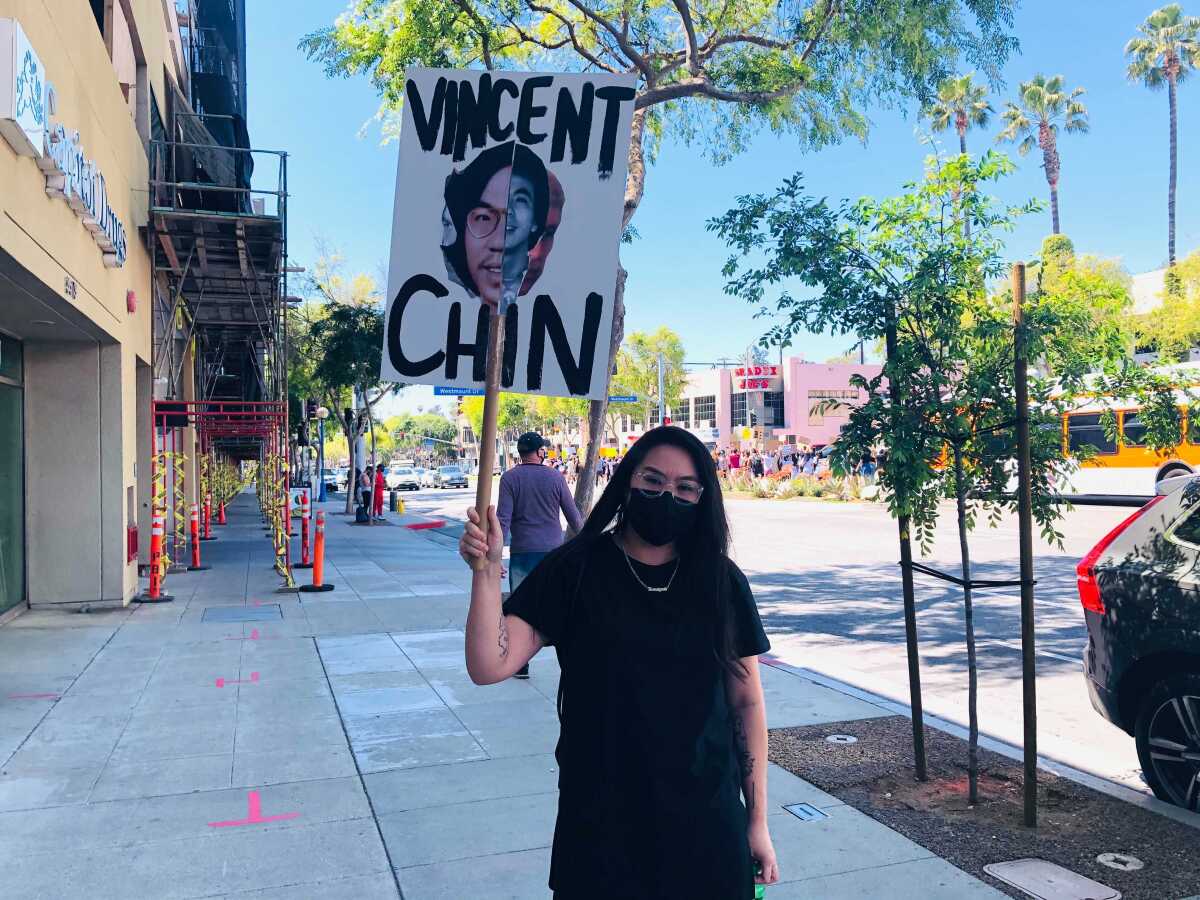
column 780, row 404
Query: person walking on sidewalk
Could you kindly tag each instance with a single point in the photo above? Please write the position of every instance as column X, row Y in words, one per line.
column 531, row 495
column 662, row 755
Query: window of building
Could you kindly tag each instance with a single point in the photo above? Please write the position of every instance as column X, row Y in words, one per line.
column 824, row 402
column 738, row 410
column 681, row 413
column 774, row 404
column 704, row 409
column 1087, row 431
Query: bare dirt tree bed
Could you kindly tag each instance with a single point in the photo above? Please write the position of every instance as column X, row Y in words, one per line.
column 1076, row 824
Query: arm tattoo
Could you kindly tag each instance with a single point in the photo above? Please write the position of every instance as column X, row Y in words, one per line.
column 502, row 638
column 745, row 757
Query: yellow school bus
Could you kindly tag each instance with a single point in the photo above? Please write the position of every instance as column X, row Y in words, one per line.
column 1124, row 464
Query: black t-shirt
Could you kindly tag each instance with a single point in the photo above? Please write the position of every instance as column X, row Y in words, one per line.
column 649, row 786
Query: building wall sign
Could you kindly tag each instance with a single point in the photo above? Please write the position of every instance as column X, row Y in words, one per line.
column 756, row 378
column 22, row 91
column 25, row 108
column 71, row 176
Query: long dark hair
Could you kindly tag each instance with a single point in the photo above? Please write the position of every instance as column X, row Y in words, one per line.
column 704, row 555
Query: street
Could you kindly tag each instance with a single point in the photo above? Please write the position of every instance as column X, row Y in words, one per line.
column 828, row 589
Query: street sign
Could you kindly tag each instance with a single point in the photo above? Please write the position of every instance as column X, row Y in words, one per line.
column 427, row 444
column 442, row 390
column 622, row 398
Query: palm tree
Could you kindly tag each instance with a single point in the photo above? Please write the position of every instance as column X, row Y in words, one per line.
column 960, row 103
column 1166, row 53
column 1044, row 103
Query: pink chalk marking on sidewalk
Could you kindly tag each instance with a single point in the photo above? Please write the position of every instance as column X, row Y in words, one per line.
column 768, row 660
column 253, row 679
column 254, row 814
column 421, row 526
column 255, row 635
column 35, row 696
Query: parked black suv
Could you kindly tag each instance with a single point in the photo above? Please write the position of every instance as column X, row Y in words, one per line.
column 1140, row 590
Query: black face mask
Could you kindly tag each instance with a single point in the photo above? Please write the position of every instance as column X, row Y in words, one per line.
column 659, row 520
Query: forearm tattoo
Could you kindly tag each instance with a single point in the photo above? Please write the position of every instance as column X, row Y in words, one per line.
column 502, row 638
column 745, row 759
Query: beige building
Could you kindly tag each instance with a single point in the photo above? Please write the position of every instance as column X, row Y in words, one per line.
column 82, row 90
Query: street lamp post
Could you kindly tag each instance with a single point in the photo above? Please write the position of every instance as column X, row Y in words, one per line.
column 322, row 415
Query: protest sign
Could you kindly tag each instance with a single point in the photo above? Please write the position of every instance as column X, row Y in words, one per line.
column 509, row 198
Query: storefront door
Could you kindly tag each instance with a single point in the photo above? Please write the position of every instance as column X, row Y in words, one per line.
column 12, row 476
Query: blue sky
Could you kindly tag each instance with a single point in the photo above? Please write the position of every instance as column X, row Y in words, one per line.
column 1112, row 191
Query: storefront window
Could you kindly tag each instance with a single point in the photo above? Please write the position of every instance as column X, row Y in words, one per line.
column 738, row 410
column 774, row 404
column 704, row 409
column 12, row 477
column 10, row 359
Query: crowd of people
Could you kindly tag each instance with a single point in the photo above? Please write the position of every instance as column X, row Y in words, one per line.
column 795, row 462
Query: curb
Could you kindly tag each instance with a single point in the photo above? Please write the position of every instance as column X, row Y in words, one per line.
column 1012, row 751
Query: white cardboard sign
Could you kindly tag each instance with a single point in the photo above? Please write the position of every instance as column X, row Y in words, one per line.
column 509, row 196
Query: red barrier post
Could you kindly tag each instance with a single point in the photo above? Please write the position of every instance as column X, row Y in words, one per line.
column 155, row 594
column 208, row 535
column 318, row 566
column 305, row 548
column 195, row 566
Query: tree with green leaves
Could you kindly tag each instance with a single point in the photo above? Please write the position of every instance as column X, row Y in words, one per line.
column 944, row 407
column 961, row 104
column 514, row 415
column 637, row 371
column 1163, row 55
column 1043, row 104
column 1173, row 327
column 709, row 72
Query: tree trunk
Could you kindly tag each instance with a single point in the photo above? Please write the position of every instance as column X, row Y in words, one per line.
column 960, row 495
column 349, row 427
column 962, row 148
column 908, row 591
column 635, row 187
column 1171, row 185
column 1050, row 163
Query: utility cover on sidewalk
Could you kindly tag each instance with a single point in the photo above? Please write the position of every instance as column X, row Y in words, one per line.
column 1047, row 881
column 266, row 612
column 806, row 812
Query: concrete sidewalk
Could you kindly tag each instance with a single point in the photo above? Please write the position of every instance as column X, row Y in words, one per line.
column 244, row 743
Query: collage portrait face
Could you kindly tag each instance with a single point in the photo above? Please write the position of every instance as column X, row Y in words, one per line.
column 498, row 224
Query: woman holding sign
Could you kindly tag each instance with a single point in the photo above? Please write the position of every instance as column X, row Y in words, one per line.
column 663, row 720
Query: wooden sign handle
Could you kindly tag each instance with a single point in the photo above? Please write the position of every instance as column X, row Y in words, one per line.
column 491, row 411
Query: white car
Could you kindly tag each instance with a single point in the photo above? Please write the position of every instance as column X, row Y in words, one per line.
column 429, row 478
column 402, row 478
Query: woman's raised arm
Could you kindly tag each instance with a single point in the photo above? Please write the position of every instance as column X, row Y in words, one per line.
column 497, row 645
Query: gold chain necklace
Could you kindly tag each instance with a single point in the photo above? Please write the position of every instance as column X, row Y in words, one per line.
column 633, row 571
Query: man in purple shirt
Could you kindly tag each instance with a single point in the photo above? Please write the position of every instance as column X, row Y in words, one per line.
column 531, row 496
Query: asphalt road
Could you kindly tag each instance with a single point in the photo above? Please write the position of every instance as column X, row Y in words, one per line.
column 828, row 589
